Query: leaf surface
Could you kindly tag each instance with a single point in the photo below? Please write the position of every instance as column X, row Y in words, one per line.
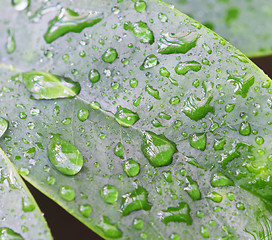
column 172, row 122
column 21, row 217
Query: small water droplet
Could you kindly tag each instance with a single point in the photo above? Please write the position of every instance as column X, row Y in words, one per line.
column 126, row 117
column 4, row 124
column 10, row 44
column 216, row 197
column 198, row 141
column 27, row 205
column 153, row 92
column 138, row 223
column 140, row 5
column 67, row 193
column 94, row 75
column 20, row 5
column 245, row 129
column 85, row 210
column 204, row 231
column 220, row 180
column 109, row 55
column 9, row 234
column 131, row 168
column 109, row 229
column 149, row 62
column 184, row 67
column 109, row 194
column 83, row 114
column 192, row 189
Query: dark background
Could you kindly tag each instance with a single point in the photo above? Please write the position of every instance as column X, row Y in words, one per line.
column 63, row 225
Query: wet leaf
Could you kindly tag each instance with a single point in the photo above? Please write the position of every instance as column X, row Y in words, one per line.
column 146, row 149
column 237, row 21
column 21, row 217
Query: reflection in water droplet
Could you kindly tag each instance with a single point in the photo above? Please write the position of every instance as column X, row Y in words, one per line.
column 140, row 5
column 94, row 75
column 170, row 43
column 216, row 197
column 119, row 150
column 245, row 129
column 83, row 114
column 70, row 21
column 149, row 62
column 141, row 31
column 109, row 194
column 198, row 141
column 181, row 213
column 158, row 149
column 192, row 189
column 153, row 92
column 44, row 85
column 134, row 201
column 27, row 205
column 184, row 67
column 126, row 117
column 67, row 193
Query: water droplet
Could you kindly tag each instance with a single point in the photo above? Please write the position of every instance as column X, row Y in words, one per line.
column 174, row 236
column 230, row 196
column 174, row 100
column 20, row 5
column 44, row 85
column 9, row 234
column 192, row 189
column 158, row 149
column 177, row 214
column 119, row 150
column 162, row 17
column 95, row 105
column 138, row 223
column 141, row 31
column 197, row 109
column 126, row 117
column 51, row 180
column 240, row 206
column 156, row 123
column 134, row 201
column 131, row 168
column 133, row 83
column 94, row 75
column 164, row 72
column 245, row 129
column 219, row 144
column 229, row 107
column 184, row 67
column 140, row 6
column 83, row 114
column 149, row 62
column 198, row 141
column 10, row 45
column 153, row 92
column 171, row 43
column 242, row 83
column 109, row 229
column 216, row 197
column 164, row 116
column 220, row 180
column 204, row 231
column 67, row 193
column 259, row 140
column 109, row 194
column 4, row 124
column 27, row 205
column 64, row 156
column 167, row 176
column 109, row 55
column 85, row 210
column 70, row 21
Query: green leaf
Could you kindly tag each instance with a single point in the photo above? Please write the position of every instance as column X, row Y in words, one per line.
column 21, row 217
column 164, row 154
column 244, row 23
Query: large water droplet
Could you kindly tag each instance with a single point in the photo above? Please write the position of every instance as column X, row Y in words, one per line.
column 4, row 124
column 141, row 31
column 197, row 109
column 192, row 189
column 20, row 5
column 109, row 229
column 183, row 67
column 44, row 85
column 131, row 168
column 220, row 180
column 181, row 213
column 126, row 117
column 109, row 55
column 198, row 141
column 170, row 43
column 158, row 149
column 149, row 62
column 109, row 194
column 70, row 21
column 242, row 83
column 67, row 193
column 134, row 201
column 9, row 234
column 64, row 156
column 10, row 45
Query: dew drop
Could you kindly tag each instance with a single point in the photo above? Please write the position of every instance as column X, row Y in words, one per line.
column 94, row 75
column 140, row 6
column 119, row 150
column 109, row 55
column 67, row 193
column 109, row 229
column 220, row 180
column 198, row 141
column 10, row 44
column 184, row 67
column 149, row 62
column 138, row 223
column 27, row 205
column 245, row 129
column 126, row 117
column 192, row 189
column 85, row 210
column 131, row 168
column 109, row 194
column 83, row 114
